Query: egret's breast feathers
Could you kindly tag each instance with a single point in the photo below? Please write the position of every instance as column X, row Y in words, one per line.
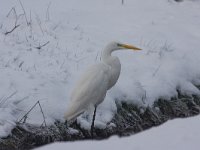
column 92, row 84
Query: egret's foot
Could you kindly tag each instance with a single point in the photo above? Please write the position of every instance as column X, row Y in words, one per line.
column 66, row 124
column 92, row 132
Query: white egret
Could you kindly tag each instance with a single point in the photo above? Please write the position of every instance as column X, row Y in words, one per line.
column 94, row 83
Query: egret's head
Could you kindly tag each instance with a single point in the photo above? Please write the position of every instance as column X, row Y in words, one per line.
column 117, row 45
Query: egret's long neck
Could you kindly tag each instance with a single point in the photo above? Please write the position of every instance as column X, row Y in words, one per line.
column 106, row 54
column 114, row 63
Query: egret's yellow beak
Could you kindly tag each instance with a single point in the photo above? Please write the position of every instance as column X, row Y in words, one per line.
column 130, row 47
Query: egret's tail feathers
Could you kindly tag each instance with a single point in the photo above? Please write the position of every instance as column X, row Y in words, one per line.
column 72, row 115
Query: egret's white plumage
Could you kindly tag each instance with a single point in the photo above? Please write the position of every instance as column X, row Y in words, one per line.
column 94, row 83
column 91, row 89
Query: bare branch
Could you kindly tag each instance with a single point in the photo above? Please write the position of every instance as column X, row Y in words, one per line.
column 26, row 115
column 16, row 19
column 12, row 9
column 9, row 12
column 47, row 12
column 56, row 26
column 39, row 23
column 155, row 72
column 44, row 121
column 24, row 118
column 15, row 27
column 3, row 100
column 20, row 65
column 30, row 17
column 40, row 46
column 28, row 23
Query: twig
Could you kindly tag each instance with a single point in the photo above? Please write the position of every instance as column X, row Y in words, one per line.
column 26, row 115
column 21, row 64
column 11, row 95
column 47, row 12
column 15, row 27
column 39, row 23
column 3, row 100
column 24, row 12
column 9, row 12
column 31, row 28
column 42, row 114
column 20, row 100
column 16, row 19
column 61, row 66
column 96, row 56
column 56, row 26
column 155, row 72
column 40, row 46
column 12, row 9
column 30, row 17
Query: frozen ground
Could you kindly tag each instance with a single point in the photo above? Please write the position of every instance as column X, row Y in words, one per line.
column 42, row 60
column 185, row 133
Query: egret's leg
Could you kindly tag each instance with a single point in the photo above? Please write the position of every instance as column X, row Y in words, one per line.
column 93, row 119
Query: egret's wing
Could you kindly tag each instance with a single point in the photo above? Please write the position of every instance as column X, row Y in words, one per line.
column 90, row 89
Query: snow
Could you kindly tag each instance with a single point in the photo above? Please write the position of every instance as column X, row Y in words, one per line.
column 7, row 118
column 178, row 134
column 72, row 34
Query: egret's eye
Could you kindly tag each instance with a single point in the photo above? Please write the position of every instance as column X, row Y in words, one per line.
column 119, row 45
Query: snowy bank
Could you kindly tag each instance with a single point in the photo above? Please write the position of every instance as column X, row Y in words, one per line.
column 129, row 119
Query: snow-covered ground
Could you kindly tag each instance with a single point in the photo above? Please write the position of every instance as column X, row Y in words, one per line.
column 70, row 35
column 178, row 134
